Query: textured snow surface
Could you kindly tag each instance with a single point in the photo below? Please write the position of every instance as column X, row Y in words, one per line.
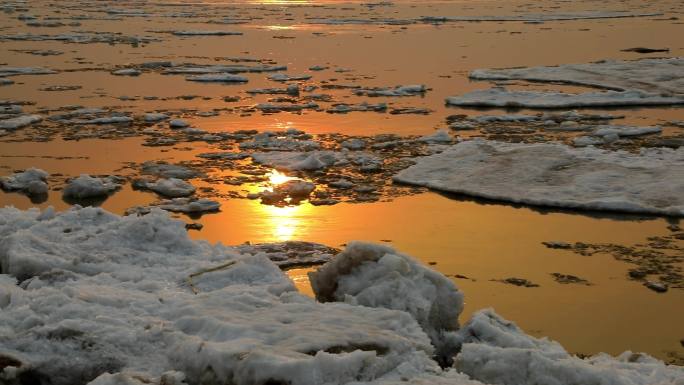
column 500, row 97
column 496, row 351
column 171, row 187
column 549, row 174
column 90, row 297
column 378, row 276
column 103, row 293
column 32, row 181
column 86, row 186
column 663, row 76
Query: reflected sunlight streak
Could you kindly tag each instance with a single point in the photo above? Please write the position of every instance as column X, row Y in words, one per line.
column 286, row 223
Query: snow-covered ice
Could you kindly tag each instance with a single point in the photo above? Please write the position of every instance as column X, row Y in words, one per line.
column 378, row 276
column 496, row 351
column 90, row 296
column 32, row 182
column 167, row 170
column 409, row 90
column 300, row 161
column 86, row 186
column 135, row 295
column 126, row 72
column 287, row 78
column 190, row 206
column 171, row 187
column 13, row 71
column 657, row 76
column 218, row 78
column 550, row 174
column 152, row 117
column 501, row 97
column 19, row 122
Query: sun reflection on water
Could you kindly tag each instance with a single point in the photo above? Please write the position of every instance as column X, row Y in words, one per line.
column 276, row 178
column 286, row 223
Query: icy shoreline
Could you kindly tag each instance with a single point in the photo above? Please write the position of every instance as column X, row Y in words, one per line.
column 88, row 297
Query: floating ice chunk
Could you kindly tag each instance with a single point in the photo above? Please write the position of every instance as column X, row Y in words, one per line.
column 584, row 141
column 171, row 187
column 342, row 184
column 440, row 136
column 190, row 206
column 280, row 107
column 154, row 117
column 625, row 131
column 126, row 72
column 496, row 351
column 462, row 126
column 206, row 33
column 500, row 97
column 291, row 253
column 354, row 144
column 19, row 122
column 218, row 78
column 503, row 118
column 290, row 192
column 543, row 17
column 166, row 170
column 213, row 69
column 12, row 71
column 343, row 108
column 223, row 155
column 575, row 115
column 557, row 175
column 32, row 182
column 410, row 90
column 378, row 276
column 300, row 161
column 287, row 78
column 86, row 186
column 651, row 76
column 292, row 89
column 268, row 141
column 178, row 123
column 108, row 120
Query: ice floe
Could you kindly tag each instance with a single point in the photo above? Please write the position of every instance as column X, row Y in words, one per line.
column 13, row 71
column 86, row 186
column 189, row 206
column 31, row 182
column 19, row 122
column 550, row 174
column 166, row 170
column 287, row 78
column 218, row 78
column 410, row 90
column 171, row 187
column 300, row 161
column 500, row 97
column 657, row 76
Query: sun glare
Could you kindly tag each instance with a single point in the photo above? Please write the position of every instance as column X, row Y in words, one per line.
column 277, row 178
